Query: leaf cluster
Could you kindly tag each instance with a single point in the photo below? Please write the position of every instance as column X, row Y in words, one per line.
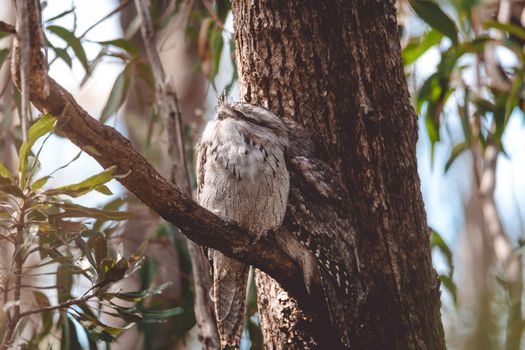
column 72, row 242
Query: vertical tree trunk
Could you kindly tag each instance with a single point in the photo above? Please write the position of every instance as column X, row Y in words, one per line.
column 335, row 67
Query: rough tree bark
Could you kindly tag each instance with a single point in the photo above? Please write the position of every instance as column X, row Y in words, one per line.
column 335, row 67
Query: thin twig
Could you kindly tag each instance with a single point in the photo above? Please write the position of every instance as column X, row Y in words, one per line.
column 14, row 316
column 63, row 305
column 91, row 27
column 168, row 106
column 116, row 10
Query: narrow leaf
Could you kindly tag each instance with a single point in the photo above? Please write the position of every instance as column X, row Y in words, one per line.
column 99, row 329
column 88, row 185
column 72, row 41
column 4, row 172
column 124, row 44
column 507, row 27
column 418, row 47
column 3, row 55
column 42, row 126
column 62, row 53
column 449, row 285
column 117, row 95
column 37, row 184
column 104, row 190
column 433, row 15
column 456, row 151
column 437, row 241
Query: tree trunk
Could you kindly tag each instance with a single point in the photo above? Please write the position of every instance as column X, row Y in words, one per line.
column 335, row 68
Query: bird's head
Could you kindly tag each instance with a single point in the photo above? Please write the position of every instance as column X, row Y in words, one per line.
column 256, row 117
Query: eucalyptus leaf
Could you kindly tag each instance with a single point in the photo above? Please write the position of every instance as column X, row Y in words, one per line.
column 418, row 47
column 98, row 329
column 430, row 12
column 437, row 241
column 41, row 127
column 64, row 55
column 507, row 27
column 72, row 41
column 456, row 151
column 83, row 187
column 3, row 55
column 122, row 43
column 449, row 284
column 4, row 172
column 72, row 210
column 117, row 96
column 39, row 183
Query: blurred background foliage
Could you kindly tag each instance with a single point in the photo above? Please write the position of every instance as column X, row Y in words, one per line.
column 464, row 62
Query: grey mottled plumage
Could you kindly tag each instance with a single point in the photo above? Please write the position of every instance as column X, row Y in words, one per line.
column 242, row 177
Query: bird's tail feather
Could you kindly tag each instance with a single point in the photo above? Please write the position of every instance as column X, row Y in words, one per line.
column 229, row 295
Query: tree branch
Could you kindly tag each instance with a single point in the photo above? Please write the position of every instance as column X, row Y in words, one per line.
column 7, row 28
column 109, row 148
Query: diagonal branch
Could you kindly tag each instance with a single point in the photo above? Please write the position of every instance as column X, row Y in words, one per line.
column 109, row 148
column 280, row 255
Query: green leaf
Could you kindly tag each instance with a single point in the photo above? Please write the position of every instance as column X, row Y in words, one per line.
column 456, row 151
column 476, row 45
column 417, row 47
column 138, row 296
column 42, row 126
column 117, row 96
column 437, row 241
column 4, row 34
column 41, row 300
column 433, row 15
column 72, row 210
column 513, row 98
column 62, row 53
column 99, row 329
column 83, row 187
column 124, row 44
column 433, row 134
column 3, row 55
column 37, row 184
column 507, row 27
column 449, row 285
column 140, row 314
column 4, row 172
column 64, row 283
column 72, row 41
column 104, row 190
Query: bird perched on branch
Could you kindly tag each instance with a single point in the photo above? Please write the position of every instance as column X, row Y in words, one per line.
column 243, row 162
column 242, row 177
